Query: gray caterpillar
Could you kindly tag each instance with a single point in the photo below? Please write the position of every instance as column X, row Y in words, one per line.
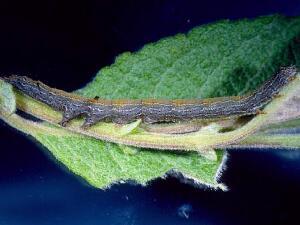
column 150, row 110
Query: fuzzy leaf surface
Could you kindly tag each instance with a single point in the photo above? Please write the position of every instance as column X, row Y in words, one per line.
column 219, row 59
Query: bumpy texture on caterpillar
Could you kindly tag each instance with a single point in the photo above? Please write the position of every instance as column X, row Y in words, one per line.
column 151, row 111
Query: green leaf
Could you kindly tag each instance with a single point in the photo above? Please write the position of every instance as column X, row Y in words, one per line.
column 224, row 58
column 101, row 163
column 283, row 135
column 221, row 59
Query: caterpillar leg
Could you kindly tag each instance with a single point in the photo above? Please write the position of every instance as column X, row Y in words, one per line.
column 67, row 116
column 260, row 112
column 92, row 120
column 65, row 120
column 149, row 120
column 277, row 95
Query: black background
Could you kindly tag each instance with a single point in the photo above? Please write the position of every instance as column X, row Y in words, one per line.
column 64, row 44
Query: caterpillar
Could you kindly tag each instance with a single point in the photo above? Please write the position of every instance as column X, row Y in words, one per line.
column 151, row 110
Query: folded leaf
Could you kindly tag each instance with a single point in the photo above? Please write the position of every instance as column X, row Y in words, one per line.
column 225, row 58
